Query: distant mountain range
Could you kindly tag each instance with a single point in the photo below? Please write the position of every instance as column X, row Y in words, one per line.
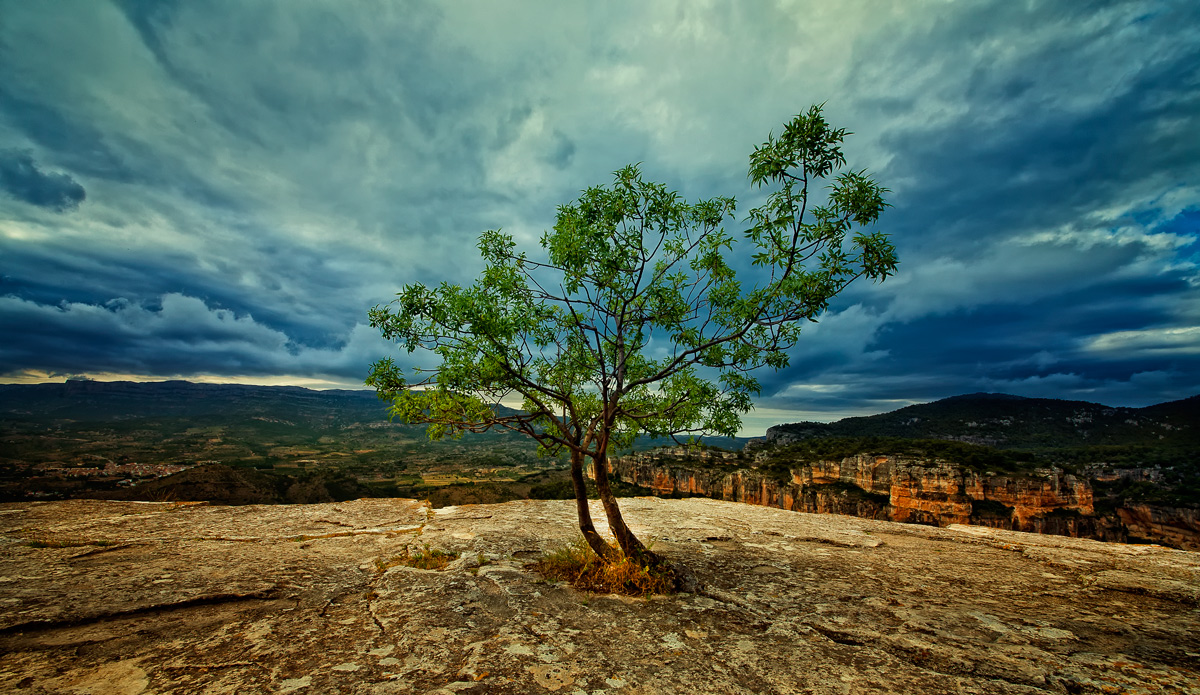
column 997, row 420
column 289, row 444
column 106, row 401
column 112, row 401
column 1014, row 422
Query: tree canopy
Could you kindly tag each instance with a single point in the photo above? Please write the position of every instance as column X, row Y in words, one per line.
column 641, row 314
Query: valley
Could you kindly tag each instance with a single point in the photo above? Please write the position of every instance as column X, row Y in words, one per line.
column 237, row 444
column 1057, row 467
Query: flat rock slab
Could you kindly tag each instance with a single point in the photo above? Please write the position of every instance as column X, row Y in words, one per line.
column 126, row 597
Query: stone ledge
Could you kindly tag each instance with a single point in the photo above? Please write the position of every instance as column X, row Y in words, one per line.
column 803, row 603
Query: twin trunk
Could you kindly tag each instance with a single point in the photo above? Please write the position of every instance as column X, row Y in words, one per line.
column 628, row 543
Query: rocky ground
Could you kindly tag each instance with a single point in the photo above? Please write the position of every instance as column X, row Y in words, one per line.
column 187, row 598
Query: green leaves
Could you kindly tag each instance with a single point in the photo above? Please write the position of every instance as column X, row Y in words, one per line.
column 633, row 317
column 808, row 148
column 810, row 261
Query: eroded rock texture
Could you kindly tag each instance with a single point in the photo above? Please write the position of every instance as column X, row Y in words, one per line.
column 187, row 598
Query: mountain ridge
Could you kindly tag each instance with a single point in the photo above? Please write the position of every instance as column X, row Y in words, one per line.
column 113, row 400
column 1015, row 422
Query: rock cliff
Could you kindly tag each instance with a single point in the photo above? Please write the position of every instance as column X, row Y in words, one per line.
column 897, row 488
column 109, row 597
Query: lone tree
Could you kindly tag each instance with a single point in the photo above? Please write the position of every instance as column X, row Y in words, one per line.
column 635, row 318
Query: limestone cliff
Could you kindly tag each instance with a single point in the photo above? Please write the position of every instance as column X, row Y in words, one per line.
column 126, row 598
column 898, row 488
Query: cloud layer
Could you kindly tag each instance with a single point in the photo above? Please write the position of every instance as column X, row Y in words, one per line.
column 21, row 177
column 223, row 189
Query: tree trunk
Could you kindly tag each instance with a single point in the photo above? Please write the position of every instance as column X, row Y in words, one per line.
column 586, row 527
column 630, row 545
column 684, row 578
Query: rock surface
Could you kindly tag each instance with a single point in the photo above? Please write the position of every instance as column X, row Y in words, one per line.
column 186, row 598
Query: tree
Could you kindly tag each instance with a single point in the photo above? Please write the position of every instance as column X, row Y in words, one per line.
column 642, row 315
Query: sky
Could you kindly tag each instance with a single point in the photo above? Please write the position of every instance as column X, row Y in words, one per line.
column 220, row 191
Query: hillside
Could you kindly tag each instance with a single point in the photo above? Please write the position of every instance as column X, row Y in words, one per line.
column 254, row 444
column 286, row 444
column 1013, row 422
column 116, row 401
column 265, row 444
column 1129, row 458
column 106, row 401
column 121, row 597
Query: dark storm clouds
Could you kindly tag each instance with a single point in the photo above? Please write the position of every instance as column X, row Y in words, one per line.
column 21, row 177
column 1047, row 221
column 258, row 176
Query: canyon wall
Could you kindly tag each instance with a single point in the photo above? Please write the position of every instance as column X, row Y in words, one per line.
column 898, row 488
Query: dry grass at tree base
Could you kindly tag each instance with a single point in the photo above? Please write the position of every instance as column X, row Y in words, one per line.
column 580, row 567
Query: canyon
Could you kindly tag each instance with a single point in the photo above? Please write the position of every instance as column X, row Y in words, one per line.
column 914, row 490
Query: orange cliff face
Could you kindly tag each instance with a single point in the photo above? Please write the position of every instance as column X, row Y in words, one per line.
column 1177, row 527
column 1032, row 497
column 942, row 493
column 909, row 490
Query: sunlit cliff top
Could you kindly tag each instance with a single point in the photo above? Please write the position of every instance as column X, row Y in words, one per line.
column 168, row 597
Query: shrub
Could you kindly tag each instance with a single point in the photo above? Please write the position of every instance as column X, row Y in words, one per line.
column 971, row 456
column 554, row 490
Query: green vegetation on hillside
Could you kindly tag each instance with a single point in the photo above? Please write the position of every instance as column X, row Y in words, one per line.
column 1012, row 422
column 1151, row 454
column 316, row 449
column 1178, row 487
column 973, row 456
